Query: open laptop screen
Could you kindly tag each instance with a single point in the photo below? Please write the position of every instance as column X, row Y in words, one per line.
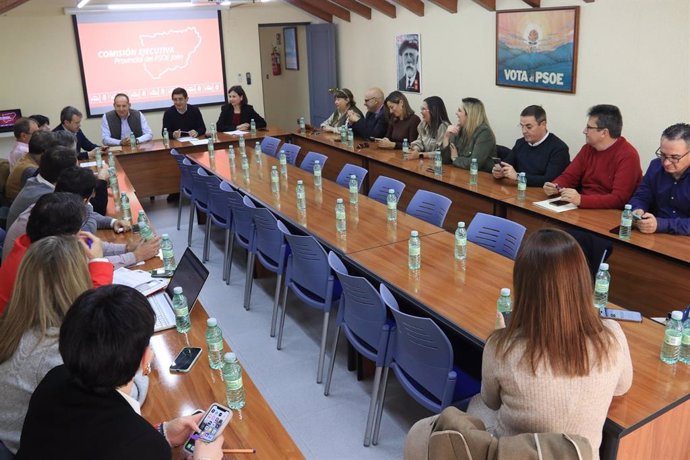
column 191, row 275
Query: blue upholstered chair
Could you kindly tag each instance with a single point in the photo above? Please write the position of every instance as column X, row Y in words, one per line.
column 495, row 233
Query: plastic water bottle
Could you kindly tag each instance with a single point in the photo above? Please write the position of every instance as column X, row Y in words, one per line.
column 521, row 186
column 340, row 218
column 350, row 137
column 414, row 251
column 257, row 152
column 438, row 163
column 626, row 223
column 252, row 127
column 505, row 305
column 132, row 140
column 111, row 160
column 168, row 253
column 392, row 204
column 114, row 185
column 343, row 134
column 282, row 159
column 244, row 161
column 302, row 126
column 405, row 149
column 601, row 286
column 166, row 138
column 145, row 231
column 214, row 340
column 234, row 389
column 242, row 146
column 126, row 210
column 685, row 343
column 670, row 349
column 301, row 197
column 142, row 218
column 99, row 158
column 461, row 242
column 317, row 174
column 179, row 301
column 474, row 172
column 211, row 149
column 275, row 179
column 354, row 189
column 214, row 133
column 231, row 153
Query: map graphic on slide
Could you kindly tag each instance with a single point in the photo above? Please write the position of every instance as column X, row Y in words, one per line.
column 169, row 51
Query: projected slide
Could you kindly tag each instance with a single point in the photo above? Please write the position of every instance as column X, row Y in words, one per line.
column 146, row 55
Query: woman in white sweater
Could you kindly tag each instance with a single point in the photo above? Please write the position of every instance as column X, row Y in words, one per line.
column 557, row 365
column 431, row 129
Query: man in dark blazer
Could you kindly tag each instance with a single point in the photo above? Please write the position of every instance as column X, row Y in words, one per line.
column 70, row 120
column 374, row 124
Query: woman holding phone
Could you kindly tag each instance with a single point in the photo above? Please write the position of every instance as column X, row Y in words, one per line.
column 402, row 122
column 471, row 138
column 431, row 129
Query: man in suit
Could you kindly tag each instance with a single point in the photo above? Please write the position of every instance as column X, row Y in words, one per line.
column 374, row 124
column 117, row 124
column 409, row 56
column 70, row 120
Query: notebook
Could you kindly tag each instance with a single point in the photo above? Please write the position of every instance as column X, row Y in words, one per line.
column 191, row 275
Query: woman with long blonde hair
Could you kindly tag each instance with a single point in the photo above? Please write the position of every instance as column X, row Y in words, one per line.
column 557, row 364
column 470, row 138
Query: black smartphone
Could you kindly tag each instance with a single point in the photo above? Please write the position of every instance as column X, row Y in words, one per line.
column 637, row 217
column 496, row 160
column 372, row 138
column 185, row 360
column 135, row 228
column 212, row 425
column 559, row 203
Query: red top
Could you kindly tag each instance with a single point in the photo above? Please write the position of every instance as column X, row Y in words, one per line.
column 236, row 119
column 101, row 271
column 606, row 179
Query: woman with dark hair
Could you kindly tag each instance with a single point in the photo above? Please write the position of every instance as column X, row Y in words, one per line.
column 402, row 122
column 432, row 128
column 82, row 409
column 344, row 102
column 237, row 113
column 471, row 138
column 557, row 364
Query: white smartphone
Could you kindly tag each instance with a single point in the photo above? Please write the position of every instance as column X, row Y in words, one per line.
column 212, row 425
column 185, row 360
column 622, row 315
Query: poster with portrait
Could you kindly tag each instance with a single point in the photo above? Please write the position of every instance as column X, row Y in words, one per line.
column 409, row 59
column 537, row 48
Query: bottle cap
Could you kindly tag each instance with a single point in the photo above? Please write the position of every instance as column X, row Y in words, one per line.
column 165, row 236
column 405, row 140
column 604, row 266
column 212, row 322
column 299, row 182
column 505, row 292
column 339, row 200
column 352, row 176
column 414, row 233
column 316, row 162
column 461, row 224
column 274, row 167
column 177, row 290
column 677, row 315
column 390, row 190
column 628, row 206
column 229, row 357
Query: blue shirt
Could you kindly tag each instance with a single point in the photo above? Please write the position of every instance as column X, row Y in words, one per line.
column 666, row 198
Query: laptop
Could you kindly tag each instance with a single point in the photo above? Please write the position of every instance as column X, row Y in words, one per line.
column 191, row 275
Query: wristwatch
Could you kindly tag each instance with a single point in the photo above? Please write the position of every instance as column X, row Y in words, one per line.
column 421, row 156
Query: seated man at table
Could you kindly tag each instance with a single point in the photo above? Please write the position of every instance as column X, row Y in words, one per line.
column 374, row 123
column 70, row 121
column 540, row 154
column 606, row 171
column 23, row 129
column 42, row 121
column 118, row 124
column 183, row 119
column 40, row 142
column 663, row 198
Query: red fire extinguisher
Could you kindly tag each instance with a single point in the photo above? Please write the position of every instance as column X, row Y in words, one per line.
column 275, row 61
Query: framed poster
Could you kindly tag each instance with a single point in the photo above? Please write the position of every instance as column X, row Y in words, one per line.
column 537, row 48
column 409, row 70
column 291, row 52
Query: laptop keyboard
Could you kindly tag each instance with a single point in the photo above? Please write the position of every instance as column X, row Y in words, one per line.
column 161, row 308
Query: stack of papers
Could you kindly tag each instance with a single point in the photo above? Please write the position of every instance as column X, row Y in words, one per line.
column 236, row 132
column 548, row 204
column 140, row 280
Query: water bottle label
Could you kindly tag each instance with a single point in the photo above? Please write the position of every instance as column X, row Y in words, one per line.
column 626, row 222
column 235, row 384
column 167, row 253
column 215, row 346
column 461, row 241
column 317, row 173
column 274, row 178
column 300, row 195
column 283, row 161
column 392, row 205
column 601, row 287
column 686, row 338
column 353, row 189
column 183, row 311
column 522, row 186
column 672, row 339
column 340, row 215
column 415, row 250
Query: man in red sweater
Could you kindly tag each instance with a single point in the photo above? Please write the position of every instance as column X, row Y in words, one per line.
column 606, row 171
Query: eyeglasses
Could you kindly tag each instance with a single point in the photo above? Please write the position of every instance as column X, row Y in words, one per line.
column 424, row 109
column 672, row 158
column 587, row 128
column 369, row 99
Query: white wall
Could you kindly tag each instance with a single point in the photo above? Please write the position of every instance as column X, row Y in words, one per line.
column 633, row 53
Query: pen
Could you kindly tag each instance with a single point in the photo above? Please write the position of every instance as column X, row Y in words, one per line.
column 239, row 451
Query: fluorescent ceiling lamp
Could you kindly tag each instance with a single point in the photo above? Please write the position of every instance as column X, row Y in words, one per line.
column 149, row 6
column 82, row 3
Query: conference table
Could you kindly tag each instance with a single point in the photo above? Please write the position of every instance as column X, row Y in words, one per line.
column 171, row 395
column 649, row 272
column 650, row 419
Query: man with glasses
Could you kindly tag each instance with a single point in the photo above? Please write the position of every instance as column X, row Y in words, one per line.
column 541, row 155
column 606, row 171
column 374, row 124
column 662, row 201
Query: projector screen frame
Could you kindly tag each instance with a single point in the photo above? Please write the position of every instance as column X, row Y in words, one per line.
column 82, row 73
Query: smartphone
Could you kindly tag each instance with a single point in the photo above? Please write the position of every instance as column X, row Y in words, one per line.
column 621, row 315
column 135, row 228
column 637, row 217
column 496, row 160
column 559, row 203
column 185, row 360
column 372, row 138
column 214, row 422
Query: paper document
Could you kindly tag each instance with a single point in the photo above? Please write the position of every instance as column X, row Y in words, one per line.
column 87, row 164
column 236, row 132
column 115, row 148
column 198, row 141
column 138, row 279
column 186, row 139
column 548, row 204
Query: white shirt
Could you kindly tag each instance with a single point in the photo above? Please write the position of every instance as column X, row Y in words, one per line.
column 19, row 150
column 125, row 131
column 542, row 140
column 131, row 401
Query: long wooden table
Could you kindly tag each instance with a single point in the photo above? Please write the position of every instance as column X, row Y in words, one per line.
column 649, row 271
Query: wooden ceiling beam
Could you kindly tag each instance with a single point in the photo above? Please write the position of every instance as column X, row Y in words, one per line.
column 416, row 6
column 449, row 5
column 7, row 5
column 330, row 8
column 382, row 6
column 355, row 7
column 533, row 3
column 488, row 4
column 311, row 9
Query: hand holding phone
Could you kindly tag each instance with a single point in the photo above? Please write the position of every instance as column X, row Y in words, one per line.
column 211, row 426
column 185, row 359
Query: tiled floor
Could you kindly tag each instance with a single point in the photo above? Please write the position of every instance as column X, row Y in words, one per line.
column 323, row 427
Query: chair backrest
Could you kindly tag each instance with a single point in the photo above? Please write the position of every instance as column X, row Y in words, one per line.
column 269, row 242
column 308, row 265
column 202, row 180
column 308, row 162
column 349, row 169
column 269, row 145
column 379, row 190
column 361, row 309
column 185, row 173
column 242, row 223
column 496, row 233
column 502, row 151
column 429, row 206
column 291, row 152
column 219, row 204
